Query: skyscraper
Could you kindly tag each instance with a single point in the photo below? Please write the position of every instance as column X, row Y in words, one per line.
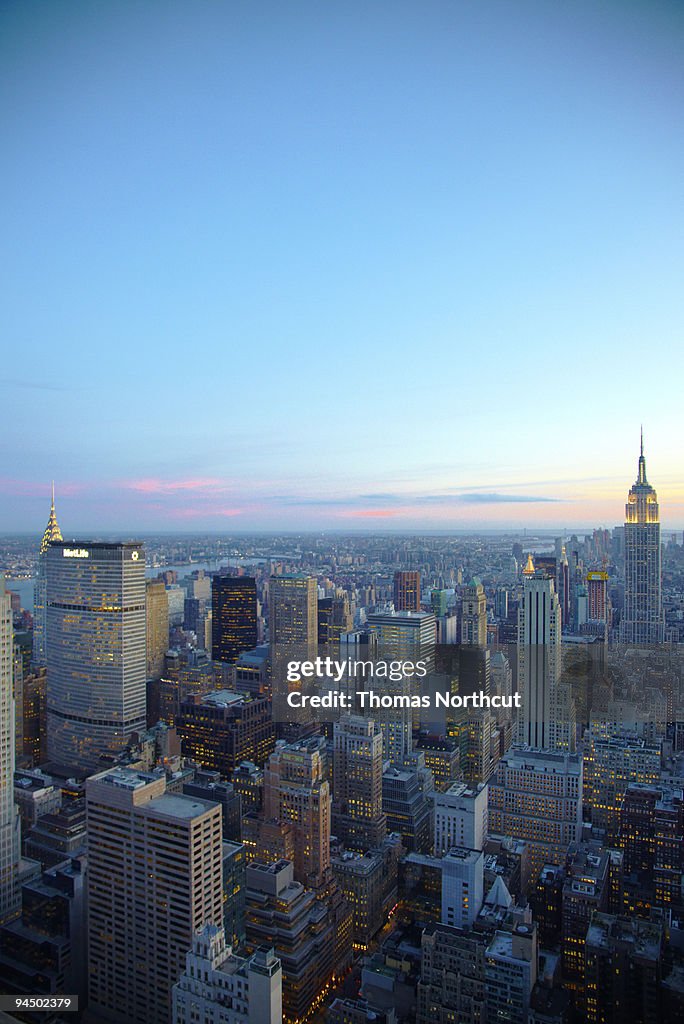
column 157, row 602
column 407, row 591
column 52, row 533
column 293, row 603
column 296, row 792
column 642, row 618
column 95, row 649
column 154, row 879
column 234, row 617
column 357, row 780
column 474, row 615
column 9, row 814
column 546, row 720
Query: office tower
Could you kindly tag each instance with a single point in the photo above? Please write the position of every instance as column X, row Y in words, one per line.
column 451, row 955
column 612, row 763
column 597, row 596
column 154, row 879
column 95, row 649
column 474, row 728
column 369, row 882
column 284, row 916
column 404, row 634
column 401, row 636
column 234, row 866
column 624, row 969
column 546, row 720
column 252, row 671
column 207, row 785
column 297, row 792
column 358, row 818
column 334, row 619
column 501, row 603
column 407, row 591
column 442, row 758
column 536, row 796
column 474, row 614
column 462, row 886
column 586, row 890
column 511, row 968
column 52, row 533
column 34, row 740
column 185, row 674
column 223, row 728
column 176, row 598
column 642, row 618
column 58, row 835
column 248, row 780
column 461, row 817
column 407, row 807
column 42, row 952
column 219, row 987
column 439, row 602
column 652, row 837
column 157, row 617
column 234, row 617
column 293, row 604
column 10, row 897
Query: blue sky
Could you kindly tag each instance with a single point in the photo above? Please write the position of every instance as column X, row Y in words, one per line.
column 337, row 265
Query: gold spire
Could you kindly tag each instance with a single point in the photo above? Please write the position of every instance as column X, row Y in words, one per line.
column 529, row 569
column 52, row 530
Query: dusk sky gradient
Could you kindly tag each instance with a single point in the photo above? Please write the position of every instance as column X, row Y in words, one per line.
column 340, row 265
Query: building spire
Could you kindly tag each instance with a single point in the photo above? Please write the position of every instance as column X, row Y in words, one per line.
column 529, row 569
column 641, row 479
column 52, row 530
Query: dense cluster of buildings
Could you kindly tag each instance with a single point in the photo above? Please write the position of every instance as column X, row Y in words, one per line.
column 173, row 850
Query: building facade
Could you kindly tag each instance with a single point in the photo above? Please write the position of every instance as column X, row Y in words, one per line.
column 96, row 651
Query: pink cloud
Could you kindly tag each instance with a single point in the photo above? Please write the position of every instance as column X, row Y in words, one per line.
column 370, row 513
column 153, row 485
column 203, row 513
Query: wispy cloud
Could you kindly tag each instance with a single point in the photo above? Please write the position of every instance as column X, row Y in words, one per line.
column 154, row 485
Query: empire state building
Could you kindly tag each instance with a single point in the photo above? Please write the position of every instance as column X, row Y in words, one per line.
column 642, row 620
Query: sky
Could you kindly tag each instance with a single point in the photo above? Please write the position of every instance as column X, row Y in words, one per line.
column 337, row 265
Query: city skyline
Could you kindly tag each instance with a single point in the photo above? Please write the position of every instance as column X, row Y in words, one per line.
column 259, row 233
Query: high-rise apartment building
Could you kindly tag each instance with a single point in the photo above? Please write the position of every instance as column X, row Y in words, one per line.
column 96, row 695
column 546, row 719
column 474, row 614
column 234, row 616
column 10, row 835
column 157, row 617
column 407, row 591
column 642, row 618
column 52, row 533
column 154, row 879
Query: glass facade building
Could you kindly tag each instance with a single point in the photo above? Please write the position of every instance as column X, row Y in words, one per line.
column 95, row 649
